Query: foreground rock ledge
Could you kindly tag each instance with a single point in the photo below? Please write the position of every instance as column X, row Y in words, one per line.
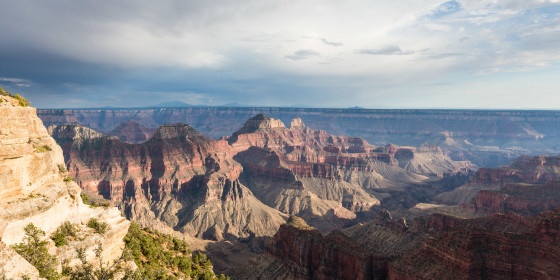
column 35, row 188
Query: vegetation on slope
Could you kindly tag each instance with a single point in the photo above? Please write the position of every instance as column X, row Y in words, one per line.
column 22, row 101
column 64, row 233
column 157, row 256
column 34, row 250
column 161, row 256
column 94, row 202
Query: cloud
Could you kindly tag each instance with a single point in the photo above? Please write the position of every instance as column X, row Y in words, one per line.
column 445, row 9
column 445, row 55
column 16, row 81
column 334, row 44
column 105, row 52
column 302, row 54
column 388, row 50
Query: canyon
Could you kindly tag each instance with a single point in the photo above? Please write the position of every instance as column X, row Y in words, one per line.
column 486, row 138
column 506, row 227
column 499, row 246
column 313, row 205
column 244, row 186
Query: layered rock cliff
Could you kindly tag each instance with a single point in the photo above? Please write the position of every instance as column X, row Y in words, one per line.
column 344, row 169
column 495, row 247
column 35, row 188
column 299, row 251
column 486, row 138
column 178, row 177
column 501, row 246
column 528, row 186
column 226, row 188
column 533, row 130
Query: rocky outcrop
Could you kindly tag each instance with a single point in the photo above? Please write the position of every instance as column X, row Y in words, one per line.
column 344, row 169
column 132, row 132
column 35, row 187
column 14, row 266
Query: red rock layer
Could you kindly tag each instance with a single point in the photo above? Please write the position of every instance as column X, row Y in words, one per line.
column 160, row 166
column 500, row 246
column 309, row 255
column 525, row 169
column 520, row 198
column 311, row 154
column 486, row 248
column 528, row 186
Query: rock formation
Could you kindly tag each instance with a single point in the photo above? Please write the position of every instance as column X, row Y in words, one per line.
column 178, row 177
column 35, row 188
column 132, row 132
column 495, row 247
column 501, row 246
column 348, row 170
column 226, row 188
column 486, row 138
column 299, row 251
column 528, row 186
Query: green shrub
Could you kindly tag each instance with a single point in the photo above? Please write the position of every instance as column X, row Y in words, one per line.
column 99, row 271
column 42, row 149
column 22, row 101
column 162, row 256
column 62, row 168
column 63, row 233
column 94, row 202
column 100, row 227
column 85, row 199
column 34, row 250
column 59, row 240
column 68, row 179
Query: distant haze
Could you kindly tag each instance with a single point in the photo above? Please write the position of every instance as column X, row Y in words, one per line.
column 319, row 53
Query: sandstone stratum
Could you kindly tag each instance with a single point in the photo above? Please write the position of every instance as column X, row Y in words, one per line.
column 35, row 188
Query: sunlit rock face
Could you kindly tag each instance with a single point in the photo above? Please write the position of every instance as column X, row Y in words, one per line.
column 34, row 185
column 245, row 185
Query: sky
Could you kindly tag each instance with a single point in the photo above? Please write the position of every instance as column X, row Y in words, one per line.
column 483, row 54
